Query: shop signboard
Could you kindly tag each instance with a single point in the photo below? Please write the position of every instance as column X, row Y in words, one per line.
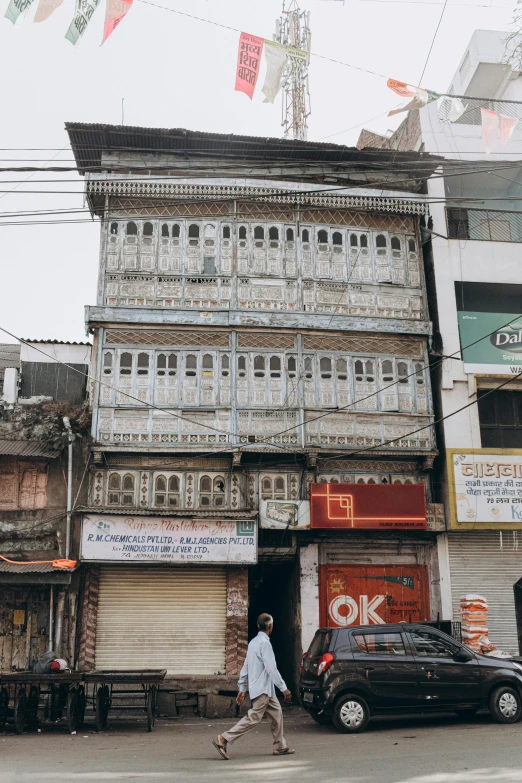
column 491, row 343
column 373, row 594
column 485, row 488
column 285, row 514
column 368, row 506
column 143, row 539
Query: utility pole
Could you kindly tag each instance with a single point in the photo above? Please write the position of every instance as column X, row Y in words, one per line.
column 293, row 29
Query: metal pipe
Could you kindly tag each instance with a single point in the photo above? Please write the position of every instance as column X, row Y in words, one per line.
column 67, row 425
column 51, row 618
column 58, row 625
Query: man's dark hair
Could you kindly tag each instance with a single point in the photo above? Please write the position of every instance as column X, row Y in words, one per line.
column 264, row 621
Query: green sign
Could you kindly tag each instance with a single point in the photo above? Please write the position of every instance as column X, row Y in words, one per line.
column 491, row 342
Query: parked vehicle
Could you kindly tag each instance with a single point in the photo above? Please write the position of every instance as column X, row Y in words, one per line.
column 350, row 674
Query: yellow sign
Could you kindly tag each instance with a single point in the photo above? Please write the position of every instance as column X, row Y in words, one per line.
column 485, row 489
column 19, row 617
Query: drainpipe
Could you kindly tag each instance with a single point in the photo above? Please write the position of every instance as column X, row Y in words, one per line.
column 51, row 618
column 67, row 425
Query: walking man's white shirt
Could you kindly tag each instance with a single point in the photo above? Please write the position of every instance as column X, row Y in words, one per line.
column 260, row 677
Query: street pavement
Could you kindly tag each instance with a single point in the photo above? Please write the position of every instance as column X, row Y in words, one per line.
column 400, row 750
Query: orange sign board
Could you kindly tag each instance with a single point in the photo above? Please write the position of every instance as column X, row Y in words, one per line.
column 371, row 506
column 372, row 594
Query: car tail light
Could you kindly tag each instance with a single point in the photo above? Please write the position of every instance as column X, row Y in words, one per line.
column 325, row 661
column 302, row 663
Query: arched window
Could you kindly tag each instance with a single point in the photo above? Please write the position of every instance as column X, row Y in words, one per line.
column 107, row 363
column 160, row 491
column 308, row 372
column 305, row 235
column 148, row 229
column 176, row 230
column 354, row 240
column 289, row 234
column 132, row 229
column 114, row 489
column 259, row 366
column 380, row 240
column 292, row 366
column 212, row 491
column 273, row 488
column 241, row 366
column 364, row 240
column 114, row 228
column 275, row 367
column 279, row 488
column 127, row 495
column 341, row 368
column 161, row 364
column 259, row 232
column 143, row 364
column 322, row 237
column 225, row 365
column 337, row 238
column 173, row 364
column 325, row 366
column 226, row 232
column 273, row 233
column 125, row 364
column 395, row 243
column 419, row 375
column 242, row 232
column 193, row 231
column 164, row 230
column 387, row 371
column 208, row 364
column 266, row 488
column 191, row 365
column 411, row 246
column 402, row 372
column 166, row 491
column 364, row 371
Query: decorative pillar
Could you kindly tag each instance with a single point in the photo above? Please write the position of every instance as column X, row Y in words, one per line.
column 237, row 619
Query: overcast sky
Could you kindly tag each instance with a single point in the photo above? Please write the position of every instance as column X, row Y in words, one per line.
column 178, row 72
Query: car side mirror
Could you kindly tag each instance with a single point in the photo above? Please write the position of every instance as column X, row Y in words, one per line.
column 462, row 656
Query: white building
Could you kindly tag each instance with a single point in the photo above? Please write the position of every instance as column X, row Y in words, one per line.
column 472, row 258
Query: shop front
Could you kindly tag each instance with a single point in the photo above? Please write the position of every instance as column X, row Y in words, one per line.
column 369, row 558
column 484, row 543
column 168, row 593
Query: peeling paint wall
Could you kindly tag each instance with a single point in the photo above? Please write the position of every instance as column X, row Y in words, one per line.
column 309, row 559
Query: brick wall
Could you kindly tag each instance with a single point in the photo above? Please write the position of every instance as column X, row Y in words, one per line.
column 237, row 619
column 88, row 619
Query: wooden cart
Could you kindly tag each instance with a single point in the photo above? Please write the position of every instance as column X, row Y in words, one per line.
column 112, row 690
column 27, row 697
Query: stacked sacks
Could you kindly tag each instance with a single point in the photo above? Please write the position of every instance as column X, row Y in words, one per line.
column 474, row 614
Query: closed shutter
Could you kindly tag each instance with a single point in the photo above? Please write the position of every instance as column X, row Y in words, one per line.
column 162, row 618
column 479, row 565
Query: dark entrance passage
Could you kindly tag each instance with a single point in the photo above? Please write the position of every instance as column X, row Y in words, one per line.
column 517, row 589
column 274, row 588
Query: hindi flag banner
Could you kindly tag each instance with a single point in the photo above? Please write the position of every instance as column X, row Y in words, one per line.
column 507, row 126
column 489, row 129
column 248, row 63
column 17, row 9
column 45, row 9
column 420, row 97
column 82, row 17
column 275, row 56
column 114, row 13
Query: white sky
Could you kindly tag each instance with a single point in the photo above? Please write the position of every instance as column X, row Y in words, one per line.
column 178, row 72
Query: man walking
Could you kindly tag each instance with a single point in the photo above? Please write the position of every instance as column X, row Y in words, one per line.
column 260, row 676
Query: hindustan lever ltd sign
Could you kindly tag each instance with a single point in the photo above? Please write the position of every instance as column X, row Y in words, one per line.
column 368, row 506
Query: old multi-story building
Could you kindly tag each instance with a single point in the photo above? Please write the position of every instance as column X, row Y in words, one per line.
column 261, row 324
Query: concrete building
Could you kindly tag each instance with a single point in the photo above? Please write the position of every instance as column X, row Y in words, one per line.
column 261, row 325
column 475, row 288
column 39, row 597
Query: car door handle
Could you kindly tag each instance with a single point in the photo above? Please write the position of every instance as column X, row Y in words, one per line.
column 368, row 669
column 430, row 674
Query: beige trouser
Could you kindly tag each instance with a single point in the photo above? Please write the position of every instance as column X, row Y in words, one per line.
column 262, row 704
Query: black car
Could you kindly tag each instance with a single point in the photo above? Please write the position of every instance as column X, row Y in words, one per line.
column 350, row 674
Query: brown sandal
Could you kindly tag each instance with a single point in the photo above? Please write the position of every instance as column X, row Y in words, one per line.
column 221, row 749
column 284, row 752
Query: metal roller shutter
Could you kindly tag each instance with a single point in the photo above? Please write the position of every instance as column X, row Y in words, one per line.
column 479, row 565
column 162, row 618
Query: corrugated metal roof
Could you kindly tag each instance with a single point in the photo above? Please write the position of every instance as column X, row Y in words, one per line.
column 25, row 448
column 9, row 355
column 88, row 141
column 27, row 568
column 159, row 512
column 53, row 342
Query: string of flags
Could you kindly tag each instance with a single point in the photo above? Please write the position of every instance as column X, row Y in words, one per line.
column 83, row 12
column 249, row 63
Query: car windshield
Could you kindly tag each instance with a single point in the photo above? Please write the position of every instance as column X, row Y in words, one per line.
column 320, row 644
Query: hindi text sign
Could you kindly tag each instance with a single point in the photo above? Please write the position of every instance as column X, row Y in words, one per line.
column 248, row 63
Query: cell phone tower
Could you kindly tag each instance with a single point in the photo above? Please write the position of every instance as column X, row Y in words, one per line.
column 293, row 29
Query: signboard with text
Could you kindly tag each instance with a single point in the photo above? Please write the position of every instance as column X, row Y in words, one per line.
column 371, row 506
column 485, row 488
column 167, row 540
column 491, row 342
column 285, row 514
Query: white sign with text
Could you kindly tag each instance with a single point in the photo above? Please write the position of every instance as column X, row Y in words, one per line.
column 488, row 487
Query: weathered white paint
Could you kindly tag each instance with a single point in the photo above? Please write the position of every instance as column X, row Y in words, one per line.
column 445, row 577
column 55, row 352
column 309, row 562
column 10, row 390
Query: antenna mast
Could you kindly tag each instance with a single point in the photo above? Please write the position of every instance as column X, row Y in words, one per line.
column 293, row 29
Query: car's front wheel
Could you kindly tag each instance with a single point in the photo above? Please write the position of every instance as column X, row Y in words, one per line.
column 505, row 705
column 351, row 714
column 320, row 717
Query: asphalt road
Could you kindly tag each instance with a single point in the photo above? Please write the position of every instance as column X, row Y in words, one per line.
column 406, row 750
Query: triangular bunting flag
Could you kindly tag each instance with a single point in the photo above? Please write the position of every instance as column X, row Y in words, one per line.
column 507, row 126
column 45, row 9
column 489, row 129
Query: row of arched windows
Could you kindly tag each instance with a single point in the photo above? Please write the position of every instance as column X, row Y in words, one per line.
column 121, row 491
